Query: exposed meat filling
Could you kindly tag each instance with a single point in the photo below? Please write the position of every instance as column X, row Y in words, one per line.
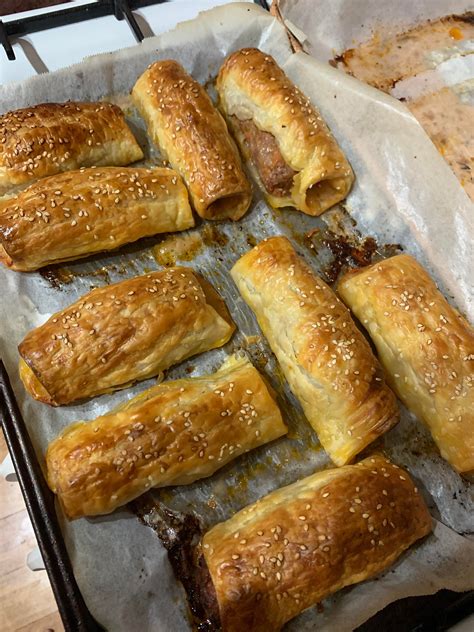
column 275, row 174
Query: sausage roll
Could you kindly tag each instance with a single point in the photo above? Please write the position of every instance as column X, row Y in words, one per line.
column 425, row 346
column 53, row 137
column 291, row 151
column 121, row 333
column 301, row 543
column 327, row 361
column 77, row 213
column 193, row 137
column 172, row 434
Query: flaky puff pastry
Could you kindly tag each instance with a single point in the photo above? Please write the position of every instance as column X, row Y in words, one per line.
column 172, row 434
column 74, row 214
column 253, row 88
column 301, row 543
column 193, row 137
column 121, row 333
column 425, row 346
column 327, row 361
column 50, row 138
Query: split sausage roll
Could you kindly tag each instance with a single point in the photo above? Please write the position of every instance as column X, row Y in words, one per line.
column 426, row 347
column 172, row 434
column 50, row 138
column 327, row 361
column 301, row 543
column 291, row 152
column 121, row 333
column 74, row 214
column 193, row 137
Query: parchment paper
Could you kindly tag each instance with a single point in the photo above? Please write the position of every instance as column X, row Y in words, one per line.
column 329, row 28
column 444, row 77
column 402, row 189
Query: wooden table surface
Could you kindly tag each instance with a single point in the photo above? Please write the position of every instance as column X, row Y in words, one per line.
column 26, row 600
column 16, row 6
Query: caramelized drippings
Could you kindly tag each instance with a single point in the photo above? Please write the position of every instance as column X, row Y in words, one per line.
column 180, row 534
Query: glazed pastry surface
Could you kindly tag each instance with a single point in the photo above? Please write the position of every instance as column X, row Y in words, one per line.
column 77, row 213
column 193, row 137
column 426, row 347
column 301, row 543
column 121, row 333
column 326, row 360
column 171, row 434
column 50, row 138
column 291, row 151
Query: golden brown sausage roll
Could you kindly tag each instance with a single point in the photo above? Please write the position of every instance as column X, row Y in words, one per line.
column 77, row 213
column 193, row 136
column 291, row 151
column 425, row 346
column 121, row 333
column 328, row 363
column 53, row 137
column 172, row 434
column 301, row 543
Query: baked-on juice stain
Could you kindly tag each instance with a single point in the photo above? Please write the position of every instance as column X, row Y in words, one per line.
column 180, row 534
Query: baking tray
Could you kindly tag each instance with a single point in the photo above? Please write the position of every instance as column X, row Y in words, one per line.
column 39, row 501
column 432, row 613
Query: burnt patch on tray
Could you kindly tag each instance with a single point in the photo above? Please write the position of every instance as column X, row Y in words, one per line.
column 180, row 534
column 347, row 251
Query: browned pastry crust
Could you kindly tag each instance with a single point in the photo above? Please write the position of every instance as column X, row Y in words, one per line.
column 328, row 363
column 172, row 434
column 259, row 101
column 193, row 136
column 301, row 543
column 121, row 333
column 53, row 137
column 425, row 346
column 77, row 213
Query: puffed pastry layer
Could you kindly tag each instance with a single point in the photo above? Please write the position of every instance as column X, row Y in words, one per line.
column 425, row 346
column 172, row 434
column 50, row 138
column 326, row 360
column 121, row 333
column 77, row 213
column 193, row 137
column 301, row 543
column 291, row 151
